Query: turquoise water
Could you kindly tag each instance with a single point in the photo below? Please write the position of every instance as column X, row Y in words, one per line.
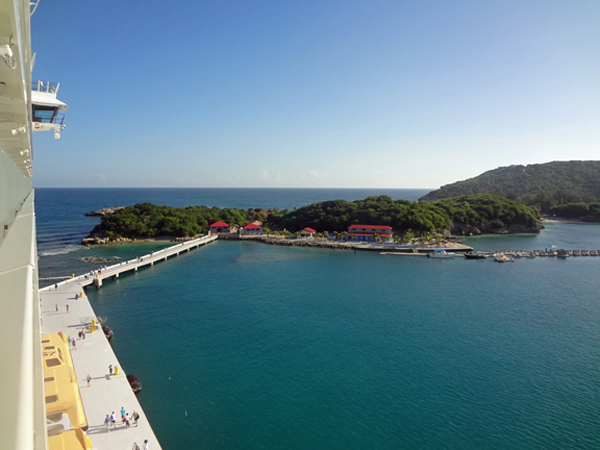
column 574, row 236
column 248, row 346
column 268, row 347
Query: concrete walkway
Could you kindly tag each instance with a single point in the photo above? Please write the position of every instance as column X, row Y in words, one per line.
column 94, row 354
column 111, row 272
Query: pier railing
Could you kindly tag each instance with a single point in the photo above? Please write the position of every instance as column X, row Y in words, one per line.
column 95, row 277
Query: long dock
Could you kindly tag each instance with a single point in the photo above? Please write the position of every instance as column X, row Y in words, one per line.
column 96, row 277
column 64, row 307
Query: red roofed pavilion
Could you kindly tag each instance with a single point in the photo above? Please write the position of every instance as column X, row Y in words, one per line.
column 252, row 228
column 219, row 227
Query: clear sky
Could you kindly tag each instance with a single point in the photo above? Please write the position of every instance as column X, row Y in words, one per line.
column 395, row 94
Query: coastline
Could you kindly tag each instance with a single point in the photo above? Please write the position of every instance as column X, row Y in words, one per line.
column 304, row 242
column 553, row 219
column 563, row 220
column 92, row 242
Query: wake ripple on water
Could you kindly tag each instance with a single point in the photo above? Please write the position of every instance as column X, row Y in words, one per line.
column 61, row 250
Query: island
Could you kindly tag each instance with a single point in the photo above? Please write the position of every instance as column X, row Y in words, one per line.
column 376, row 218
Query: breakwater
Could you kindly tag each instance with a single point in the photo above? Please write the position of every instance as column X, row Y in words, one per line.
column 345, row 245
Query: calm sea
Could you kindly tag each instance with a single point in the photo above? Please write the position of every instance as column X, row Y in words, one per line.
column 248, row 346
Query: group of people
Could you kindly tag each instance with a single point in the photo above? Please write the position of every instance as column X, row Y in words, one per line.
column 137, row 447
column 71, row 342
column 111, row 421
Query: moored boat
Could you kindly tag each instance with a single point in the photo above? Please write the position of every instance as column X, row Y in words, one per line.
column 440, row 254
column 501, row 257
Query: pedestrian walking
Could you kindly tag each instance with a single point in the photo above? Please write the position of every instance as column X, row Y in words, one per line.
column 56, row 306
column 88, row 379
column 113, row 421
column 67, row 309
column 135, row 416
column 73, row 343
column 107, row 423
column 145, row 447
column 122, row 413
column 79, row 334
column 83, row 332
column 126, row 420
column 135, row 446
column 69, row 340
column 110, row 369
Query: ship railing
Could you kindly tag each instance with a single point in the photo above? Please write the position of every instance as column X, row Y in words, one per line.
column 41, row 86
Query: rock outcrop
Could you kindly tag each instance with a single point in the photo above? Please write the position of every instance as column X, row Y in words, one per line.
column 461, row 229
column 94, row 259
column 104, row 211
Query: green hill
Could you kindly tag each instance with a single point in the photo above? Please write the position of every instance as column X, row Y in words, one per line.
column 466, row 214
column 542, row 185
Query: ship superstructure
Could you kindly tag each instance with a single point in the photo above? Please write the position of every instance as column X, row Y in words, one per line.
column 22, row 409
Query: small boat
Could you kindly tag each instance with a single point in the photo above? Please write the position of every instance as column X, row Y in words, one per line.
column 501, row 257
column 440, row 254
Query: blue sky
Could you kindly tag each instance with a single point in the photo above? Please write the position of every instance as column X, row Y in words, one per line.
column 390, row 94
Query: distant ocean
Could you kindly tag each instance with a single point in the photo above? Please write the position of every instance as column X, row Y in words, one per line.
column 248, row 346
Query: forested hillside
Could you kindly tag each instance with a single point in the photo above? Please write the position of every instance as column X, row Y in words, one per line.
column 485, row 212
column 543, row 185
column 147, row 220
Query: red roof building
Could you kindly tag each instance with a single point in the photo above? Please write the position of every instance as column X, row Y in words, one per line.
column 219, row 227
column 366, row 232
column 252, row 228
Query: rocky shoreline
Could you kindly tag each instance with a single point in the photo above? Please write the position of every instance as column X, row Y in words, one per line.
column 450, row 245
column 94, row 259
column 93, row 241
column 460, row 229
column 291, row 242
column 104, row 211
